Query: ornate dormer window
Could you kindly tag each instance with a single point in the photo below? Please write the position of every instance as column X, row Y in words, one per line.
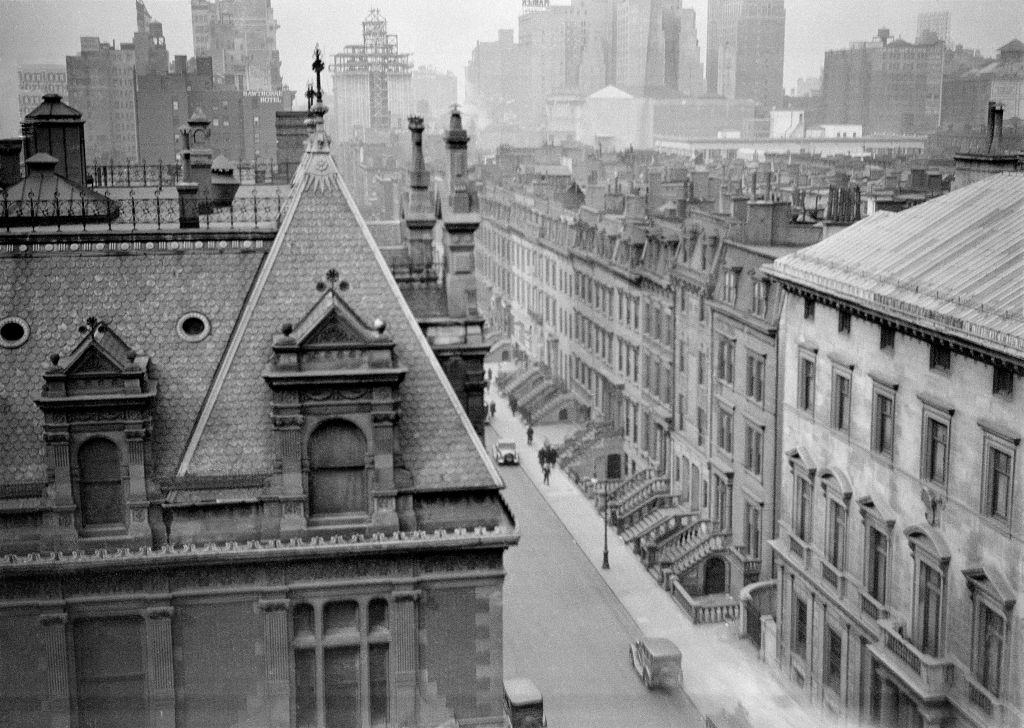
column 336, row 402
column 96, row 406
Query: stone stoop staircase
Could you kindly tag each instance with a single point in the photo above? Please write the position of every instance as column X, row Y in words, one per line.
column 688, row 548
column 523, row 388
column 561, row 398
column 656, row 524
column 630, row 507
column 537, row 397
column 508, row 381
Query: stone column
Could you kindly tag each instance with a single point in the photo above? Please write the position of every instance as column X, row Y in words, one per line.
column 160, row 666
column 275, row 662
column 62, row 516
column 384, row 516
column 404, row 659
column 138, row 500
column 53, row 628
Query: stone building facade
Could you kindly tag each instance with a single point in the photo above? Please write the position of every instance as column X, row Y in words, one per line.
column 235, row 484
column 899, row 546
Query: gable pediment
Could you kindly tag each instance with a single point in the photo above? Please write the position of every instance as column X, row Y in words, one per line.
column 334, row 328
column 332, row 337
column 93, row 361
column 100, row 365
column 332, row 321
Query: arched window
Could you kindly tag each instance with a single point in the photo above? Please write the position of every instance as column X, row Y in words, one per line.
column 100, row 491
column 337, row 465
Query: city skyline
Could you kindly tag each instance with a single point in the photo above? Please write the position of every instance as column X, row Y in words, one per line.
column 423, row 32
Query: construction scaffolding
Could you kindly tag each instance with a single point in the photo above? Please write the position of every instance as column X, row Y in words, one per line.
column 376, row 69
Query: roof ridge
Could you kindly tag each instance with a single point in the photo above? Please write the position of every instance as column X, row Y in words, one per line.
column 319, row 177
column 241, row 325
column 403, row 305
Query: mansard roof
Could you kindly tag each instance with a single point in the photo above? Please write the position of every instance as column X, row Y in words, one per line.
column 951, row 265
column 322, row 229
column 211, row 416
column 142, row 295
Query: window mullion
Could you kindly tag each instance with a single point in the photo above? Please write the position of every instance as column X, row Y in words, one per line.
column 321, row 677
column 364, row 664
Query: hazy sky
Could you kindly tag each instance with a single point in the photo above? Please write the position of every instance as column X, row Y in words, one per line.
column 442, row 33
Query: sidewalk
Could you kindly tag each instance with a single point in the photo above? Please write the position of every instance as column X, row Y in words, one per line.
column 721, row 673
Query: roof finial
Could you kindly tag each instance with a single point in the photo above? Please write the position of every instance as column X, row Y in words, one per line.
column 318, row 67
column 92, row 326
column 310, row 95
column 332, row 280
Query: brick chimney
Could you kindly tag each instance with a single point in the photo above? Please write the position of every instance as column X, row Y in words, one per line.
column 461, row 218
column 419, row 210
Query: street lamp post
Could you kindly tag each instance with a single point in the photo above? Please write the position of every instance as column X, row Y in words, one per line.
column 604, row 560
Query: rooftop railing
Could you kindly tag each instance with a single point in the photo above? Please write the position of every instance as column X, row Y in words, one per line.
column 146, row 210
column 168, row 174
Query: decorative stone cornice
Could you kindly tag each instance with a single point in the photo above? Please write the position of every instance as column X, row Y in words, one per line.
column 265, row 550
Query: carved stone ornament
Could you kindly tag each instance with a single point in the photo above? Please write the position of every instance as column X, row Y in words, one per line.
column 933, row 504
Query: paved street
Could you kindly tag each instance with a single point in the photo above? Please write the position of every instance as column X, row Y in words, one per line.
column 568, row 623
column 567, row 631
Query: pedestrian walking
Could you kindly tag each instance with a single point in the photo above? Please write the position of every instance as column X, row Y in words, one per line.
column 547, row 473
column 493, row 408
column 513, row 404
column 529, row 434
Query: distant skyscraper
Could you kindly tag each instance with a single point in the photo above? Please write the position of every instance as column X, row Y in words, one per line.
column 36, row 79
column 101, row 85
column 656, row 49
column 241, row 37
column 933, row 26
column 150, row 49
column 746, row 48
column 434, row 92
column 888, row 86
column 596, row 22
column 372, row 81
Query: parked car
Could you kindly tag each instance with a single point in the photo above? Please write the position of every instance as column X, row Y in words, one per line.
column 505, row 453
column 524, row 705
column 657, row 661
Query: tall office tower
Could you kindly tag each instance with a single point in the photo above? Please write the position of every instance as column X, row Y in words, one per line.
column 932, row 27
column 150, row 49
column 36, row 79
column 888, row 86
column 746, row 47
column 241, row 37
column 656, row 49
column 544, row 36
column 495, row 80
column 372, row 81
column 101, row 85
column 595, row 21
column 434, row 92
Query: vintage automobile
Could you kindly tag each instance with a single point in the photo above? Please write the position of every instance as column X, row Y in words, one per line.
column 505, row 453
column 524, row 705
column 657, row 661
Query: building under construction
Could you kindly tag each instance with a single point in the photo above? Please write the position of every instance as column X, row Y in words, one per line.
column 372, row 82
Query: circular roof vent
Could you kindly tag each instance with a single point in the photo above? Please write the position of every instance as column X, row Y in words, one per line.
column 14, row 332
column 193, row 327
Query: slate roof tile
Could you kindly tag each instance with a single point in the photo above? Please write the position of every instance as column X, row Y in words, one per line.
column 142, row 296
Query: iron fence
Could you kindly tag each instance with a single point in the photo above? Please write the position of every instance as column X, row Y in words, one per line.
column 151, row 210
column 168, row 174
